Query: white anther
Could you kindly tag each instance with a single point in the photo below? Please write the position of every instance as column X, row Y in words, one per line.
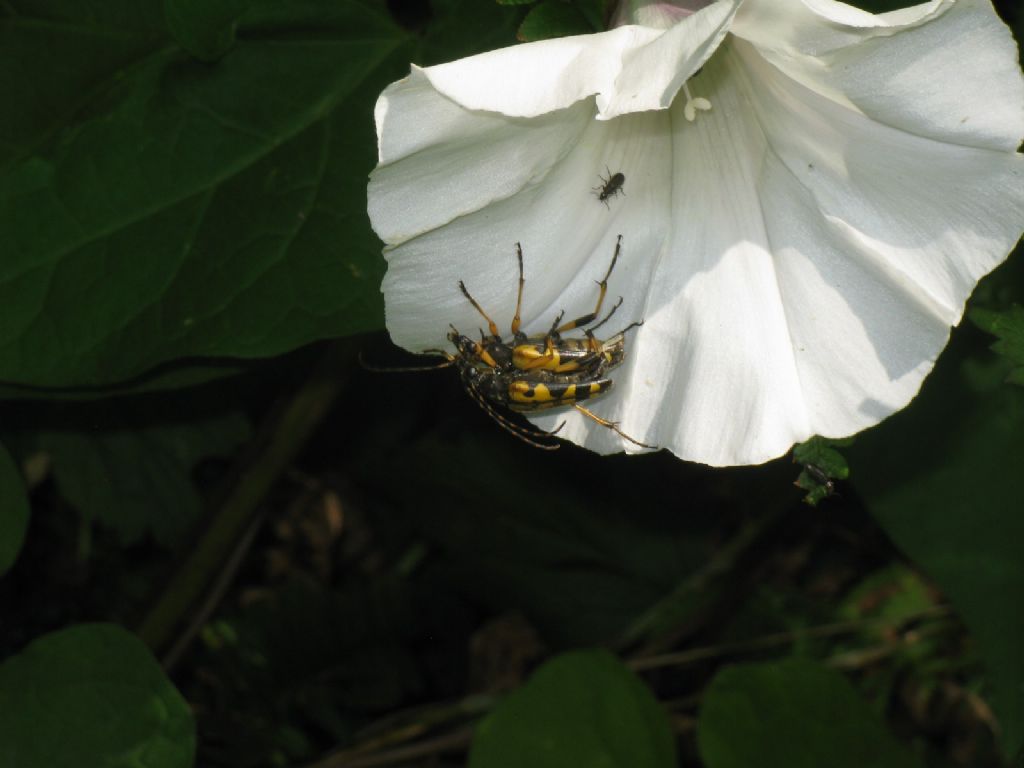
column 694, row 104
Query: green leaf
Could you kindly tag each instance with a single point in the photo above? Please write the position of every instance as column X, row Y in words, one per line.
column 610, row 553
column 41, row 96
column 822, row 462
column 465, row 27
column 581, row 709
column 821, row 452
column 155, row 206
column 942, row 478
column 204, row 28
column 14, row 511
column 136, row 477
column 596, row 12
column 91, row 695
column 1009, row 327
column 894, row 593
column 792, row 714
column 553, row 18
column 163, row 379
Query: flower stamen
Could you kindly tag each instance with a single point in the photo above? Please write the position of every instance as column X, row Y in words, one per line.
column 693, row 104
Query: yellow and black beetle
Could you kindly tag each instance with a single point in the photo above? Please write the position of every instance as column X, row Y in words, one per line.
column 534, row 373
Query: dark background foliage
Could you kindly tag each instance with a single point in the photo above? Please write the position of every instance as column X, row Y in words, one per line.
column 223, row 542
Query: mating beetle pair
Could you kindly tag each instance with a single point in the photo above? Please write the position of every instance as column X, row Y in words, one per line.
column 534, row 373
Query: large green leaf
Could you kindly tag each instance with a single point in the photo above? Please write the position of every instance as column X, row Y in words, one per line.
column 169, row 378
column 204, row 28
column 14, row 511
column 465, row 27
column 942, row 478
column 135, row 476
column 580, row 709
column 94, row 696
column 551, row 18
column 582, row 574
column 154, row 205
column 40, row 96
column 792, row 714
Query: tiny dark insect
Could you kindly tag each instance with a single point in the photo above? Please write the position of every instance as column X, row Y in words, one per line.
column 610, row 186
column 821, row 478
column 817, row 482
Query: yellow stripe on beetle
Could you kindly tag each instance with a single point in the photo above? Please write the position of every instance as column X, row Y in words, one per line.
column 535, row 392
column 531, row 357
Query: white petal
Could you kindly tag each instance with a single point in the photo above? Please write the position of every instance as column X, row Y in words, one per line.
column 817, row 27
column 790, row 300
column 535, row 78
column 447, row 145
column 797, row 262
column 843, row 14
column 440, row 161
column 863, row 340
column 713, row 376
column 941, row 215
column 652, row 74
column 567, row 235
column 629, row 69
column 955, row 78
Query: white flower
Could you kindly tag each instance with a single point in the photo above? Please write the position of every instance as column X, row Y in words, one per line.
column 797, row 252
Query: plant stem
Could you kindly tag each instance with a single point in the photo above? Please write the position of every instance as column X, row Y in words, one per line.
column 282, row 434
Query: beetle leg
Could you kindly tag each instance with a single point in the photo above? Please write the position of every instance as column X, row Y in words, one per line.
column 492, row 326
column 603, row 289
column 613, row 426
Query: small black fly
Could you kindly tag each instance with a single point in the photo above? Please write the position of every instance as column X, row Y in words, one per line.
column 610, row 186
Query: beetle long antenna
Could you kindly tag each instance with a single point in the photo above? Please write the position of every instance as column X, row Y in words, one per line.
column 448, row 363
column 511, row 427
column 516, row 319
